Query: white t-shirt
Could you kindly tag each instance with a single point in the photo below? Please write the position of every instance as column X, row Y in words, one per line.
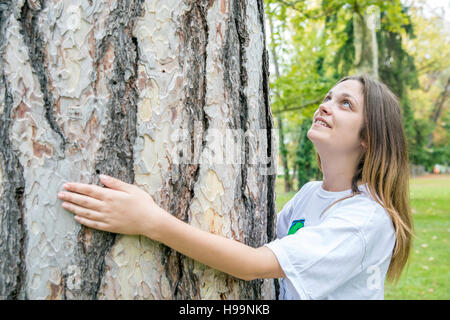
column 343, row 254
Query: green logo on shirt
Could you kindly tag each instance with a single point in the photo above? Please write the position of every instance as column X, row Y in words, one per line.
column 296, row 224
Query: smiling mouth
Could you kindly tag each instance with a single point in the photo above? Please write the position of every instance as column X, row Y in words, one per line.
column 321, row 123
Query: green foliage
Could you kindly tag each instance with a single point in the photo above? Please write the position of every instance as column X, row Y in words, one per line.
column 305, row 156
column 314, row 44
column 345, row 55
column 398, row 71
column 430, row 48
column 417, row 138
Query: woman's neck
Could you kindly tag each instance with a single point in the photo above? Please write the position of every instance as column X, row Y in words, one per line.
column 337, row 172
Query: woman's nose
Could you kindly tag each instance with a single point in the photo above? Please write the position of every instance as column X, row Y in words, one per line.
column 324, row 108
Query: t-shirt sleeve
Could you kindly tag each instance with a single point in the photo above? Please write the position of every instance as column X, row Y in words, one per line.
column 284, row 216
column 318, row 259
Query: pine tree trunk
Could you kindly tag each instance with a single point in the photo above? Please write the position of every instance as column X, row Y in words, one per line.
column 144, row 91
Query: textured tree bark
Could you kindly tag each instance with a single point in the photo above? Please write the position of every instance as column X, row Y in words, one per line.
column 151, row 92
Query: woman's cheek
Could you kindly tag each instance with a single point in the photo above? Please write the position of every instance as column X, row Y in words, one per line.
column 343, row 136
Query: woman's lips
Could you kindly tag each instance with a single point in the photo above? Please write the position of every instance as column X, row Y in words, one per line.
column 321, row 122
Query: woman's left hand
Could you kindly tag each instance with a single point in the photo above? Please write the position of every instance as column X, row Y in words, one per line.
column 121, row 208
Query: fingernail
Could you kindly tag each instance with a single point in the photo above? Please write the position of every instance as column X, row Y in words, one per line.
column 103, row 177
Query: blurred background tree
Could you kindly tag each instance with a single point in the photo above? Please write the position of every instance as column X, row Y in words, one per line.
column 315, row 43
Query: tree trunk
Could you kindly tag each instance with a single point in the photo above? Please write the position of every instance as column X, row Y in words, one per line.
column 437, row 110
column 284, row 157
column 153, row 93
column 366, row 46
column 283, row 149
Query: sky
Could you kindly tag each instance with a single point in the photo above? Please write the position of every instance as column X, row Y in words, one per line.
column 432, row 7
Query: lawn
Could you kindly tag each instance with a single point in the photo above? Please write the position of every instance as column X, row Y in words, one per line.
column 428, row 272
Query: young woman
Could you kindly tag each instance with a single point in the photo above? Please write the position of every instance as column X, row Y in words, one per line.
column 336, row 239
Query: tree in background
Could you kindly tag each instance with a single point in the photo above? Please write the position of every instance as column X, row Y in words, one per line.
column 319, row 42
column 430, row 49
column 305, row 156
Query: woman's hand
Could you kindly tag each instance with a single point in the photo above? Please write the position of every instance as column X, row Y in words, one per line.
column 123, row 208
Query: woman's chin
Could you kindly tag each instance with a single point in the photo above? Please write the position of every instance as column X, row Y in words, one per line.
column 314, row 135
column 318, row 139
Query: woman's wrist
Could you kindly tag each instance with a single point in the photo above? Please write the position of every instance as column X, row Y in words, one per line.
column 157, row 224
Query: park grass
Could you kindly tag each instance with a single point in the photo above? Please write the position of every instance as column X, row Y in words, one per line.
column 427, row 274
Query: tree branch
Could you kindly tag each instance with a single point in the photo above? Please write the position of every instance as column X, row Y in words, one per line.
column 304, row 105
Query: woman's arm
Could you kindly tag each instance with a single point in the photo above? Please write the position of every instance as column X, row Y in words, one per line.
column 218, row 252
column 126, row 209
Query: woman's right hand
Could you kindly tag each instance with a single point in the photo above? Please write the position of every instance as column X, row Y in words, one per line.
column 121, row 208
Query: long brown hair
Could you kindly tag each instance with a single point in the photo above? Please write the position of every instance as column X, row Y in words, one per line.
column 384, row 165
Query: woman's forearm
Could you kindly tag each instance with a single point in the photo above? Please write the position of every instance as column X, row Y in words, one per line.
column 226, row 255
column 108, row 209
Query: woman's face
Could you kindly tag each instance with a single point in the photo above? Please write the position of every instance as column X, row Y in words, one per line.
column 337, row 123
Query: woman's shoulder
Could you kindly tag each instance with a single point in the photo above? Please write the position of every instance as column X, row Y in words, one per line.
column 310, row 186
column 306, row 190
column 364, row 211
column 373, row 223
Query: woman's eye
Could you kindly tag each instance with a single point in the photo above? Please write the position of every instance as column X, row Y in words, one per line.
column 346, row 104
column 327, row 98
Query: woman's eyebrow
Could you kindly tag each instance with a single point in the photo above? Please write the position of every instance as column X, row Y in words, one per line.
column 328, row 94
column 344, row 94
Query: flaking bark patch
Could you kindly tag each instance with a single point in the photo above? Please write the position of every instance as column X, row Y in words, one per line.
column 195, row 71
column 30, row 27
column 12, row 231
column 12, row 234
column 194, row 35
column 266, row 116
column 236, row 80
column 115, row 156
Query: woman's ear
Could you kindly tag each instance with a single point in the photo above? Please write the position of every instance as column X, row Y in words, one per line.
column 364, row 145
